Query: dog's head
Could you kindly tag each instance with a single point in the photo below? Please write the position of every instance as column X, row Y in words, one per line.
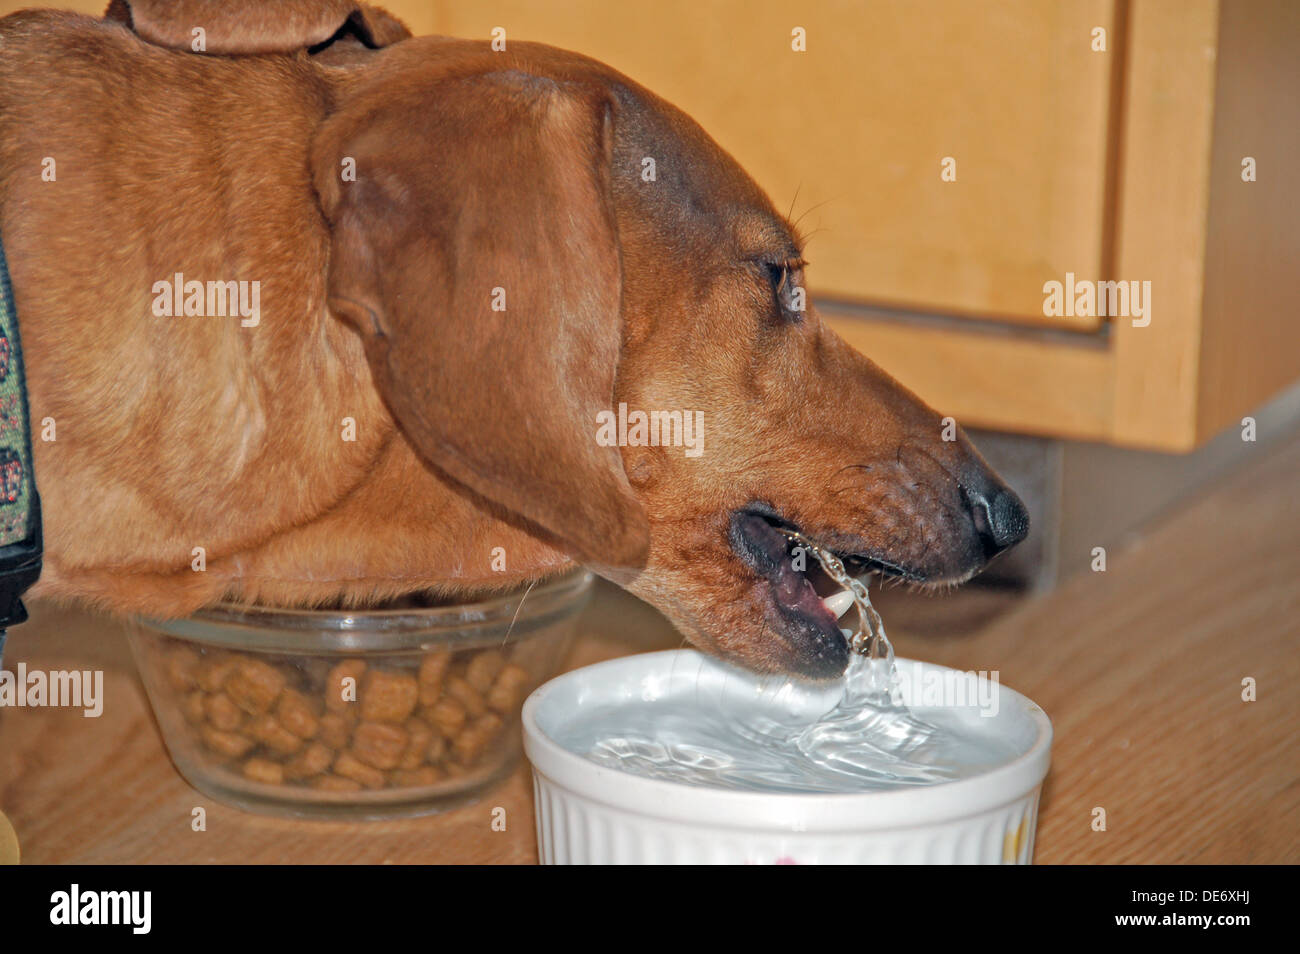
column 579, row 307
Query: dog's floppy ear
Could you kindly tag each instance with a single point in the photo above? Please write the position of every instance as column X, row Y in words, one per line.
column 475, row 248
column 255, row 26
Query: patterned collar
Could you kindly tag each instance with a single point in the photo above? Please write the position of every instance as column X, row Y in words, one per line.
column 20, row 505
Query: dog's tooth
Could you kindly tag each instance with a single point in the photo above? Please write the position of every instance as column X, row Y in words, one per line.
column 839, row 603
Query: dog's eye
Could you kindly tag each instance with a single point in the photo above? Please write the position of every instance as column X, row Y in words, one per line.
column 787, row 286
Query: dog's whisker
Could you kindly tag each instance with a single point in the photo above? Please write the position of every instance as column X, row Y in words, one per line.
column 793, row 202
column 805, row 237
column 795, row 223
column 511, row 627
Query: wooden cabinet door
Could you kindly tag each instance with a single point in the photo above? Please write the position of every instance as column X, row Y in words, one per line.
column 858, row 127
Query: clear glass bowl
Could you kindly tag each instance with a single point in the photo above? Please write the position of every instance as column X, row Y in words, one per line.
column 374, row 713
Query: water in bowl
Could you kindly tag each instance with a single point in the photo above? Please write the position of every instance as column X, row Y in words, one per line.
column 748, row 735
column 745, row 738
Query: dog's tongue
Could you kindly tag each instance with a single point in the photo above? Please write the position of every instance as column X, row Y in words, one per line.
column 794, row 591
column 765, row 546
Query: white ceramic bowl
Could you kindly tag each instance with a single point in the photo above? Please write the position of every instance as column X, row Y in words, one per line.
column 591, row 814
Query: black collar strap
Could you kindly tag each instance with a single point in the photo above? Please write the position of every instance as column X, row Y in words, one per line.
column 20, row 505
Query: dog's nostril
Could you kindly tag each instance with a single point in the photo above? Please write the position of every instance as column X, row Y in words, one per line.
column 1000, row 518
column 1009, row 518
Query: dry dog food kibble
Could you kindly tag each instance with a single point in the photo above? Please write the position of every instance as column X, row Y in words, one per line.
column 222, row 713
column 254, row 685
column 313, row 760
column 419, row 735
column 509, row 688
column 193, row 708
column 212, row 673
column 264, row 770
column 388, row 696
column 335, row 730
column 447, row 716
column 471, row 742
column 182, row 668
column 483, row 669
column 297, row 714
column 432, row 668
column 352, row 726
column 349, row 766
column 274, row 736
column 230, row 744
column 460, row 690
column 379, row 745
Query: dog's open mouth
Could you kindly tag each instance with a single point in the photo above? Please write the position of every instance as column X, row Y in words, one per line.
column 798, row 587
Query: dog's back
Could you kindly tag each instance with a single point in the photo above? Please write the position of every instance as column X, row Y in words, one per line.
column 122, row 165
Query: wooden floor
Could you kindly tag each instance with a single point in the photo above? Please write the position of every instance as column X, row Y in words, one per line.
column 1141, row 669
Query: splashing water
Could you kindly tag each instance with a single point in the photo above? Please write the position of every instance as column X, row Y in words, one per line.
column 880, row 684
column 753, row 735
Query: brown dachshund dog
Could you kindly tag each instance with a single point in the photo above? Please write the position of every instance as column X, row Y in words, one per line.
column 465, row 264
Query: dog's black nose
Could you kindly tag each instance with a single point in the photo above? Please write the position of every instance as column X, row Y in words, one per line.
column 1000, row 518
